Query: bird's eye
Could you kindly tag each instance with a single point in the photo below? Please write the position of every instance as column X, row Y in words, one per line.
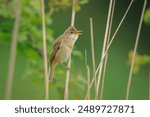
column 71, row 32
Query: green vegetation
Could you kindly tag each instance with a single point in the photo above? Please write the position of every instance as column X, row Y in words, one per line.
column 29, row 70
column 147, row 16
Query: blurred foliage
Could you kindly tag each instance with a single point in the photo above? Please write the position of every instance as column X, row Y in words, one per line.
column 147, row 16
column 141, row 60
column 57, row 5
column 30, row 33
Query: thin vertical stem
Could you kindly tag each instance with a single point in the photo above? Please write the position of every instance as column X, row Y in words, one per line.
column 88, row 81
column 135, row 49
column 12, row 57
column 93, row 52
column 106, row 58
column 73, row 13
column 85, row 58
column 104, row 47
column 44, row 52
column 88, row 76
column 66, row 95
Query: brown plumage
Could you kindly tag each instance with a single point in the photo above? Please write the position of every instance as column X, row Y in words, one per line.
column 62, row 48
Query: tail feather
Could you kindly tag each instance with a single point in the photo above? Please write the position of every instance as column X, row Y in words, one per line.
column 52, row 70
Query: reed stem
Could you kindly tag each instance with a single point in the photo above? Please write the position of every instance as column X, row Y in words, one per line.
column 66, row 94
column 88, row 76
column 110, row 43
column 93, row 52
column 44, row 52
column 106, row 58
column 103, row 49
column 13, row 48
column 135, row 49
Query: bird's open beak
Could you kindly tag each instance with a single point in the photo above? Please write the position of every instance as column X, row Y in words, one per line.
column 80, row 32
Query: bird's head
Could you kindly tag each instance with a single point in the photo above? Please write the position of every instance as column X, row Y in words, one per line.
column 72, row 33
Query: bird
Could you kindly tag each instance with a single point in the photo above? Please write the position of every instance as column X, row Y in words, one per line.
column 62, row 49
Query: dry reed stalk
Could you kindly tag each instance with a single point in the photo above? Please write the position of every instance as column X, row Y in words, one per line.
column 110, row 43
column 44, row 52
column 93, row 52
column 104, row 47
column 118, row 27
column 135, row 49
column 66, row 94
column 12, row 57
column 88, row 76
column 106, row 58
column 88, row 81
column 85, row 58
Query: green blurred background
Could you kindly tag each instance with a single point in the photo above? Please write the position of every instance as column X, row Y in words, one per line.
column 28, row 78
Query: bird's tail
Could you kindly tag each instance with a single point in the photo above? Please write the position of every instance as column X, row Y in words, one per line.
column 52, row 70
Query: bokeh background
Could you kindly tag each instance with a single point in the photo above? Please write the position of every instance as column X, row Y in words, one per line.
column 29, row 79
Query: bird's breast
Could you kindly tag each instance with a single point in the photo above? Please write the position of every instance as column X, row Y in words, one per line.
column 63, row 53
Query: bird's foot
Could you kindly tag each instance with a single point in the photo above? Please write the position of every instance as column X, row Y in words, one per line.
column 68, row 68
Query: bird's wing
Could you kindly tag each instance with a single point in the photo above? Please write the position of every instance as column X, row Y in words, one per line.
column 56, row 46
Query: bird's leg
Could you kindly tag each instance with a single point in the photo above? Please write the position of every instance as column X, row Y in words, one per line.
column 50, row 80
column 65, row 66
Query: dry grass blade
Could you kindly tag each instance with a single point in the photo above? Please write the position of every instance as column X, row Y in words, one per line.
column 110, row 43
column 12, row 57
column 44, row 52
column 93, row 52
column 106, row 58
column 66, row 95
column 135, row 49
